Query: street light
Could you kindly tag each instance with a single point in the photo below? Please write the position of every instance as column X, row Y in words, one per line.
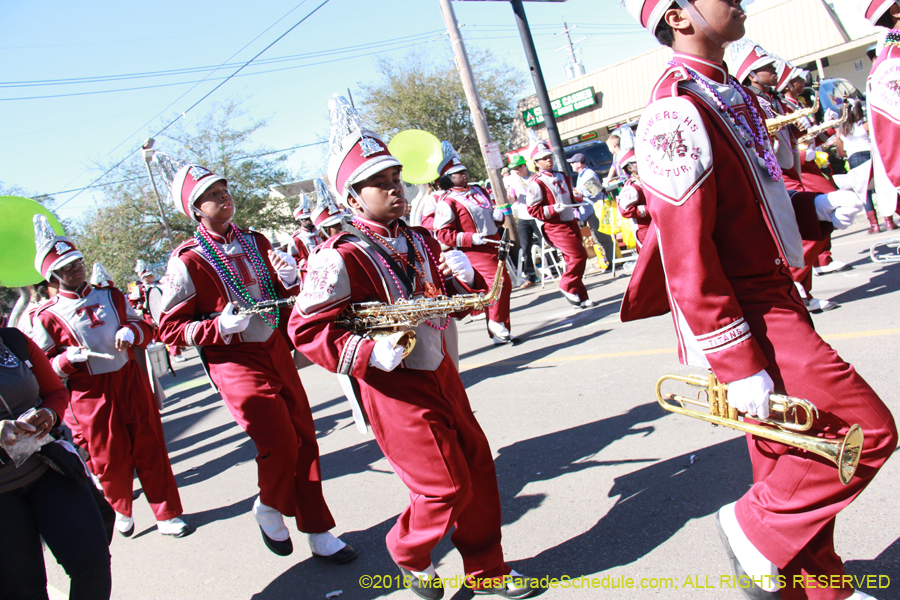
column 148, row 152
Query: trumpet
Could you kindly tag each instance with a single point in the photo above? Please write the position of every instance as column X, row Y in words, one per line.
column 775, row 124
column 798, row 415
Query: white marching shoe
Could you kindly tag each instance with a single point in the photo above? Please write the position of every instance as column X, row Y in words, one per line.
column 174, row 527
column 817, row 305
column 499, row 332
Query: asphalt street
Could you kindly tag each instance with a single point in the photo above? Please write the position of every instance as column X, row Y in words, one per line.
column 598, row 483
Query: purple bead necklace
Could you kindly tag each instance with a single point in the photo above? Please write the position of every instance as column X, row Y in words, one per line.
column 754, row 137
column 226, row 272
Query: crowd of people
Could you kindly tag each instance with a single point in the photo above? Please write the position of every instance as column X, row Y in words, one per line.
column 731, row 218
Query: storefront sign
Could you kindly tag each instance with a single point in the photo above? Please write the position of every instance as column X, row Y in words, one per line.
column 561, row 106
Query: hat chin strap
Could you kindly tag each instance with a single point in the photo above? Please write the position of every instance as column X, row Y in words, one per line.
column 362, row 204
column 705, row 27
column 206, row 216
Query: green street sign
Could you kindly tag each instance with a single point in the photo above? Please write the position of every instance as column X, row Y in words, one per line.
column 561, row 106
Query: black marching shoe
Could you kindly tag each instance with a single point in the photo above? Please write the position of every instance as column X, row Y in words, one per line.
column 753, row 592
column 430, row 589
column 284, row 548
column 515, row 585
column 342, row 556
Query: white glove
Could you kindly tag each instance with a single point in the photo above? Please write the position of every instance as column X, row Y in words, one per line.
column 810, row 154
column 497, row 214
column 385, row 355
column 230, row 323
column 75, row 354
column 478, row 239
column 288, row 274
column 459, row 263
column 840, row 208
column 751, row 395
column 627, row 197
column 559, row 207
column 125, row 334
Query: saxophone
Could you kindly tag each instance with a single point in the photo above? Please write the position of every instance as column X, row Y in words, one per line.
column 775, row 124
column 377, row 320
column 814, row 131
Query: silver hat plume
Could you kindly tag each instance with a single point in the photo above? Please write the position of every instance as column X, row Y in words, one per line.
column 99, row 275
column 44, row 236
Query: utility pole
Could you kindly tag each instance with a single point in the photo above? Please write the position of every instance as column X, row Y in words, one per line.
column 490, row 151
column 575, row 68
column 540, row 87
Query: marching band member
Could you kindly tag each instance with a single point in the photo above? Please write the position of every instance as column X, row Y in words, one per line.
column 220, row 268
column 631, row 200
column 417, row 405
column 723, row 228
column 88, row 334
column 757, row 70
column 138, row 298
column 465, row 218
column 884, row 112
column 550, row 200
column 429, row 204
column 328, row 216
column 306, row 238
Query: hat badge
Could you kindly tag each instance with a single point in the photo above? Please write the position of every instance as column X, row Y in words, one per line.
column 197, row 172
column 368, row 147
column 61, row 247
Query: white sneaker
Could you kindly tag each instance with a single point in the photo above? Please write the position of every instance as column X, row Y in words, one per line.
column 816, row 305
column 174, row 527
column 124, row 525
column 587, row 303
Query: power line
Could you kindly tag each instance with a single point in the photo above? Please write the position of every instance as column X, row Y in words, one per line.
column 205, row 96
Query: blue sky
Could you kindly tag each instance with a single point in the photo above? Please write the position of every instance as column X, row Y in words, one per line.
column 52, row 144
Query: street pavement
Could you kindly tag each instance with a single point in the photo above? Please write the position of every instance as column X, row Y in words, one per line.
column 596, row 480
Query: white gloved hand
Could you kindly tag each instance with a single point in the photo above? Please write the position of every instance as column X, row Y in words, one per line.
column 125, row 334
column 75, row 354
column 810, row 155
column 459, row 263
column 751, row 395
column 559, row 207
column 628, row 197
column 478, row 239
column 497, row 214
column 385, row 355
column 840, row 208
column 286, row 273
column 230, row 323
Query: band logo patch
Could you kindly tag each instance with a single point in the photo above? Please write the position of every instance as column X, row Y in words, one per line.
column 61, row 247
column 885, row 84
column 369, row 146
column 672, row 149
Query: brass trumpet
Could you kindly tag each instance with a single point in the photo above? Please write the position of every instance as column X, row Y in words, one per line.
column 799, row 415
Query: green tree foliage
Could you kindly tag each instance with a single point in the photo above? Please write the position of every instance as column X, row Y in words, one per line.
column 423, row 91
column 126, row 225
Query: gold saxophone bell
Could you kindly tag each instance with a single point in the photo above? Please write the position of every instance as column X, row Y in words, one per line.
column 798, row 415
column 775, row 124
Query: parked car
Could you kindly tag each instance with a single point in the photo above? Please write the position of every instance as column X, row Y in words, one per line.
column 597, row 153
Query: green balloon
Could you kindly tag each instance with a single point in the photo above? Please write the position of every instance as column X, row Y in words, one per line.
column 17, row 240
column 420, row 154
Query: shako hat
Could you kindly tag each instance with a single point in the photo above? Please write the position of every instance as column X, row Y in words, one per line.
column 52, row 251
column 186, row 182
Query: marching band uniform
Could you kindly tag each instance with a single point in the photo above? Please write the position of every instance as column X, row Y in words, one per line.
column 883, row 95
column 251, row 367
column 698, row 136
column 418, row 409
column 429, row 206
column 632, row 201
column 112, row 407
column 464, row 218
column 138, row 298
column 546, row 190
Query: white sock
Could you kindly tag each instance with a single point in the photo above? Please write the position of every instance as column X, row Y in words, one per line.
column 325, row 544
column 271, row 521
column 428, row 573
column 757, row 566
column 123, row 523
column 570, row 296
column 858, row 595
